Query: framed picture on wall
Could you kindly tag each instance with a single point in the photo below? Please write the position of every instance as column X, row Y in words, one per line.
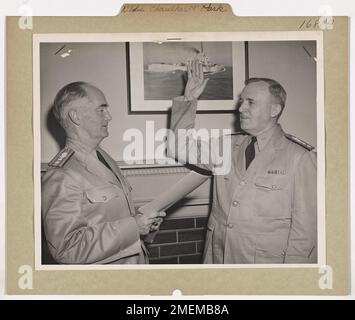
column 157, row 73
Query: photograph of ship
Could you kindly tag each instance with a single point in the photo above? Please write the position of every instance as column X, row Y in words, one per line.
column 165, row 69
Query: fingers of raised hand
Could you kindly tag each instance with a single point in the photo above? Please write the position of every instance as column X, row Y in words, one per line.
column 197, row 71
column 189, row 69
column 200, row 71
column 194, row 69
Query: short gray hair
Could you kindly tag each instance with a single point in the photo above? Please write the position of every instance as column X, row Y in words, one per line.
column 275, row 88
column 67, row 94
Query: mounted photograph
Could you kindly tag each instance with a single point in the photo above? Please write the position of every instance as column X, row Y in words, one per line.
column 244, row 188
column 173, row 144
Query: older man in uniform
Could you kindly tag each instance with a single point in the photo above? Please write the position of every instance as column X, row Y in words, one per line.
column 87, row 211
column 265, row 209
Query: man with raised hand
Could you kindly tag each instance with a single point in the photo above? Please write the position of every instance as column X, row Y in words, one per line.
column 264, row 210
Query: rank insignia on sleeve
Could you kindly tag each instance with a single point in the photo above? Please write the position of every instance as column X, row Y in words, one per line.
column 61, row 158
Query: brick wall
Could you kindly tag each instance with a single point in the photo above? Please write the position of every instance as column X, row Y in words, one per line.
column 179, row 241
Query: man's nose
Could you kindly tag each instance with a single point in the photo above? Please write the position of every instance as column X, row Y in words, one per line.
column 242, row 106
column 108, row 116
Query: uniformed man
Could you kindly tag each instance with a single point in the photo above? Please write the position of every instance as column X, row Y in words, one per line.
column 265, row 209
column 87, row 211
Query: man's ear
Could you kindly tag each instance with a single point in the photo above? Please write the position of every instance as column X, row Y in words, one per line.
column 74, row 116
column 275, row 110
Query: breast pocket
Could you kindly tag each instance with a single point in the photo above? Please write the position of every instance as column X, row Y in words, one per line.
column 272, row 197
column 105, row 203
column 102, row 194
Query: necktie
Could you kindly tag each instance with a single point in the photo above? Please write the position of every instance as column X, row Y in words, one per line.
column 250, row 152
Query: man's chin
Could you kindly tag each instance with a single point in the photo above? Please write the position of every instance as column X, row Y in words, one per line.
column 245, row 129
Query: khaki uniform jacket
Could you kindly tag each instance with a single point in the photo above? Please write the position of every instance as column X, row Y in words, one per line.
column 266, row 214
column 87, row 212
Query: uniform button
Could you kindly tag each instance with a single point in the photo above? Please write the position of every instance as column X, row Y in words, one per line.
column 104, row 198
column 230, row 225
column 243, row 183
column 235, row 203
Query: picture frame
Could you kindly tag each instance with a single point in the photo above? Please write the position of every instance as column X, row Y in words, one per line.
column 160, row 65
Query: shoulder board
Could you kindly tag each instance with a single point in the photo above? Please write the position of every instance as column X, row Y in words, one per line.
column 299, row 142
column 61, row 158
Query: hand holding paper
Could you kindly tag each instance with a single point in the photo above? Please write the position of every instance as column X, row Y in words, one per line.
column 146, row 221
column 177, row 192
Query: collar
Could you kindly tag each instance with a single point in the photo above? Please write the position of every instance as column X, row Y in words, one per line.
column 82, row 152
column 90, row 161
column 275, row 134
column 264, row 138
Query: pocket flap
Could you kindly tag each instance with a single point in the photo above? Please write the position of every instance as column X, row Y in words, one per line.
column 102, row 194
column 268, row 183
column 271, row 245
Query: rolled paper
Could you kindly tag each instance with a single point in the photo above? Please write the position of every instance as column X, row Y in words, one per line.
column 178, row 191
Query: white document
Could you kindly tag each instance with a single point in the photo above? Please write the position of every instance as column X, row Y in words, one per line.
column 177, row 192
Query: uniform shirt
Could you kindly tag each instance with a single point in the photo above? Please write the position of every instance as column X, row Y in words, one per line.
column 265, row 214
column 87, row 212
column 261, row 141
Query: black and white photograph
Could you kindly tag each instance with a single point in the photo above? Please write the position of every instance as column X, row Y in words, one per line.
column 158, row 73
column 165, row 66
column 126, row 151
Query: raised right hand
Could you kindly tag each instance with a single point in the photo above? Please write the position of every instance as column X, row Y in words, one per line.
column 196, row 82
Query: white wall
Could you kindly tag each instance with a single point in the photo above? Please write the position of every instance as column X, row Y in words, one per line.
column 288, row 63
column 104, row 65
